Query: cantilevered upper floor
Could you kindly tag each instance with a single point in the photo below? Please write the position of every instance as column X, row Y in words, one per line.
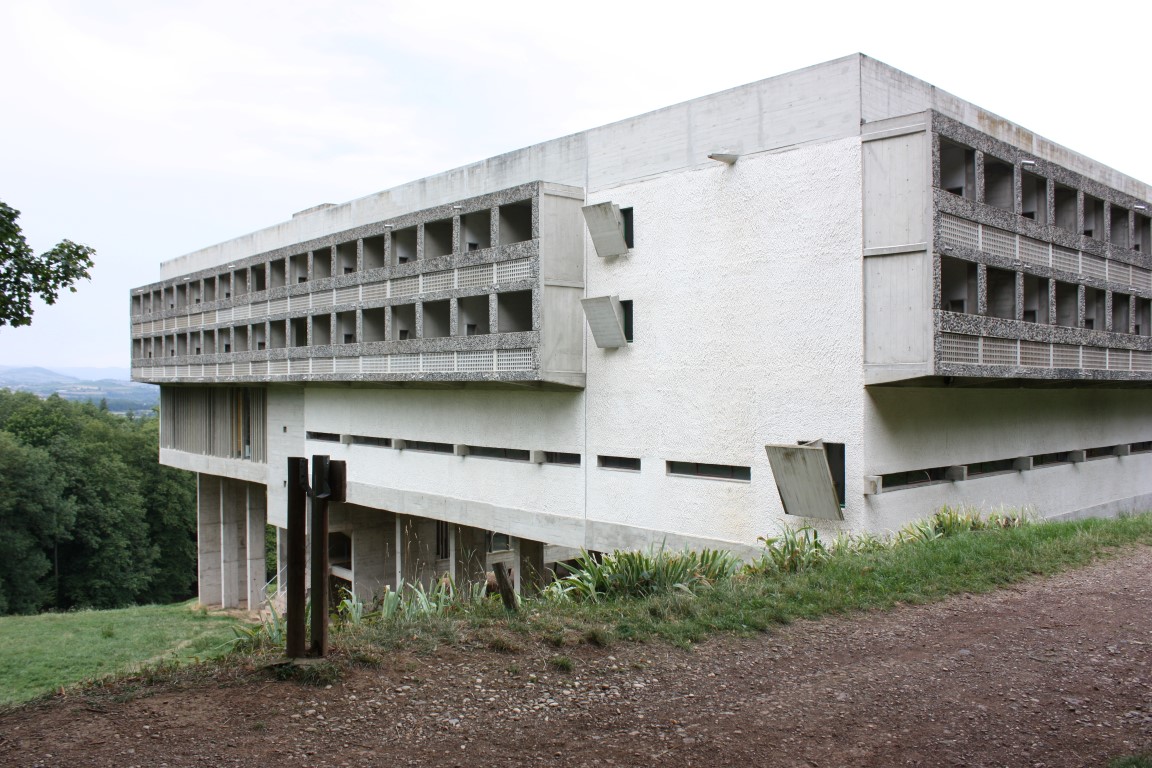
column 486, row 289
column 987, row 263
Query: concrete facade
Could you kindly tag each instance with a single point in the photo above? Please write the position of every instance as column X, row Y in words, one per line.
column 957, row 309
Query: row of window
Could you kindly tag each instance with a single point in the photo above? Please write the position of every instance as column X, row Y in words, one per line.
column 400, row 246
column 389, row 323
column 919, row 477
column 1130, row 314
column 631, row 464
column 1097, row 219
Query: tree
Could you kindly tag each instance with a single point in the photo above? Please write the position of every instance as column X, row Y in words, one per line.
column 24, row 274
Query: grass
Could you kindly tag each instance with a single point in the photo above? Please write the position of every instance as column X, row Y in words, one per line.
column 945, row 555
column 843, row 581
column 45, row 652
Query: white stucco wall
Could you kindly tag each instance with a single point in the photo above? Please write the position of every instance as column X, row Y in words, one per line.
column 746, row 285
column 911, row 428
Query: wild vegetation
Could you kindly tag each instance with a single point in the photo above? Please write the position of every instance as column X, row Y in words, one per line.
column 88, row 516
column 682, row 597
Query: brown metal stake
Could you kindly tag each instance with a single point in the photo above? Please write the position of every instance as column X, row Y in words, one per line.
column 320, row 495
column 297, row 556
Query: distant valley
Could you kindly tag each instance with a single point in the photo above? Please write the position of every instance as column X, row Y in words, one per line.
column 112, row 385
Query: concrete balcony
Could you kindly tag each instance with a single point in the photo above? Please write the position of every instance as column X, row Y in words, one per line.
column 486, row 290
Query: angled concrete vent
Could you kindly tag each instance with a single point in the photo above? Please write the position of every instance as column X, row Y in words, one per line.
column 804, row 480
column 606, row 225
column 605, row 320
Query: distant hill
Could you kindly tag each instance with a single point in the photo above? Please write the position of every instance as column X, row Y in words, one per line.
column 93, row 384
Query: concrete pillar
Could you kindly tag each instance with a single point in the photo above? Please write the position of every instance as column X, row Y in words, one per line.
column 373, row 554
column 233, row 544
column 208, row 539
column 530, row 577
column 256, row 571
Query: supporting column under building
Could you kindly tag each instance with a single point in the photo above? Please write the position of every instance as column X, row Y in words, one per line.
column 208, row 540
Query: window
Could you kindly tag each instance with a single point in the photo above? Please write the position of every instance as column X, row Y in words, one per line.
column 1050, row 459
column 629, row 236
column 513, row 454
column 718, row 471
column 329, row 437
column 626, row 305
column 381, row 442
column 499, row 542
column 443, row 540
column 913, row 477
column 424, row 445
column 991, row 467
column 554, row 457
column 809, row 478
column 618, row 462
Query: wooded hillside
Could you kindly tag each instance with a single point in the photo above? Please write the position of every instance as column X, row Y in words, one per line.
column 88, row 516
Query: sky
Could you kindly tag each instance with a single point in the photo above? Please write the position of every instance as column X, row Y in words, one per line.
column 152, row 129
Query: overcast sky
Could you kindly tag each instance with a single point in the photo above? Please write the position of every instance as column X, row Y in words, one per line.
column 151, row 129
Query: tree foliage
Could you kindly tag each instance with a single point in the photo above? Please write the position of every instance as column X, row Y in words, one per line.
column 23, row 274
column 88, row 516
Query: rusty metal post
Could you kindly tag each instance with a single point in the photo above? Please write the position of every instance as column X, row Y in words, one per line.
column 297, row 556
column 320, row 494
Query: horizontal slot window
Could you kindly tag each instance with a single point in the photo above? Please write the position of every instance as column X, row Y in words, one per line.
column 991, row 467
column 618, row 462
column 1050, row 459
column 381, row 442
column 572, row 459
column 1144, row 447
column 486, row 452
column 717, row 471
column 424, row 445
column 328, row 437
column 913, row 478
column 1100, row 453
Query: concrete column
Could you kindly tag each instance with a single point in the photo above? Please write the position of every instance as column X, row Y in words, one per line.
column 530, row 575
column 373, row 555
column 208, row 539
column 233, row 544
column 256, row 571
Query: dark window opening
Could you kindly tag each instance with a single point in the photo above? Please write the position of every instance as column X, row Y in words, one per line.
column 618, row 462
column 629, row 232
column 424, row 445
column 330, row 437
column 381, row 442
column 835, row 454
column 1144, row 447
column 626, row 305
column 991, row 467
column 913, row 477
column 554, row 457
column 515, row 454
column 1050, row 459
column 443, row 540
column 499, row 542
column 1101, row 452
column 957, row 169
column 340, row 550
column 720, row 471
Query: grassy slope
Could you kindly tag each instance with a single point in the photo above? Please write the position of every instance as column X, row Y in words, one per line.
column 42, row 653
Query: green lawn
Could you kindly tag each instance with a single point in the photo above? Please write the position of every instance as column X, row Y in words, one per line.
column 42, row 653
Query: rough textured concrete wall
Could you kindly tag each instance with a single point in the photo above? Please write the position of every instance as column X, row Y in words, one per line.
column 746, row 283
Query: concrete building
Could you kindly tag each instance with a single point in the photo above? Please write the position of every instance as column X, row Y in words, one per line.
column 623, row 337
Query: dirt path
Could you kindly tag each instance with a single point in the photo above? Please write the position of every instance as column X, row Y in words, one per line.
column 1054, row 673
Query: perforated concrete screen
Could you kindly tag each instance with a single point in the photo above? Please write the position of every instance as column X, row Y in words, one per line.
column 606, row 225
column 804, row 480
column 605, row 320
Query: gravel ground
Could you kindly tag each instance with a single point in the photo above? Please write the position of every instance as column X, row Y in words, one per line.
column 1051, row 673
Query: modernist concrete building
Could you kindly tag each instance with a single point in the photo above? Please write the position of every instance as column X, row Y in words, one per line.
column 622, row 338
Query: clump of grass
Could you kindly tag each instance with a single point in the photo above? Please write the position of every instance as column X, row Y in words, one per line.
column 1132, row 761
column 641, row 573
column 562, row 663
